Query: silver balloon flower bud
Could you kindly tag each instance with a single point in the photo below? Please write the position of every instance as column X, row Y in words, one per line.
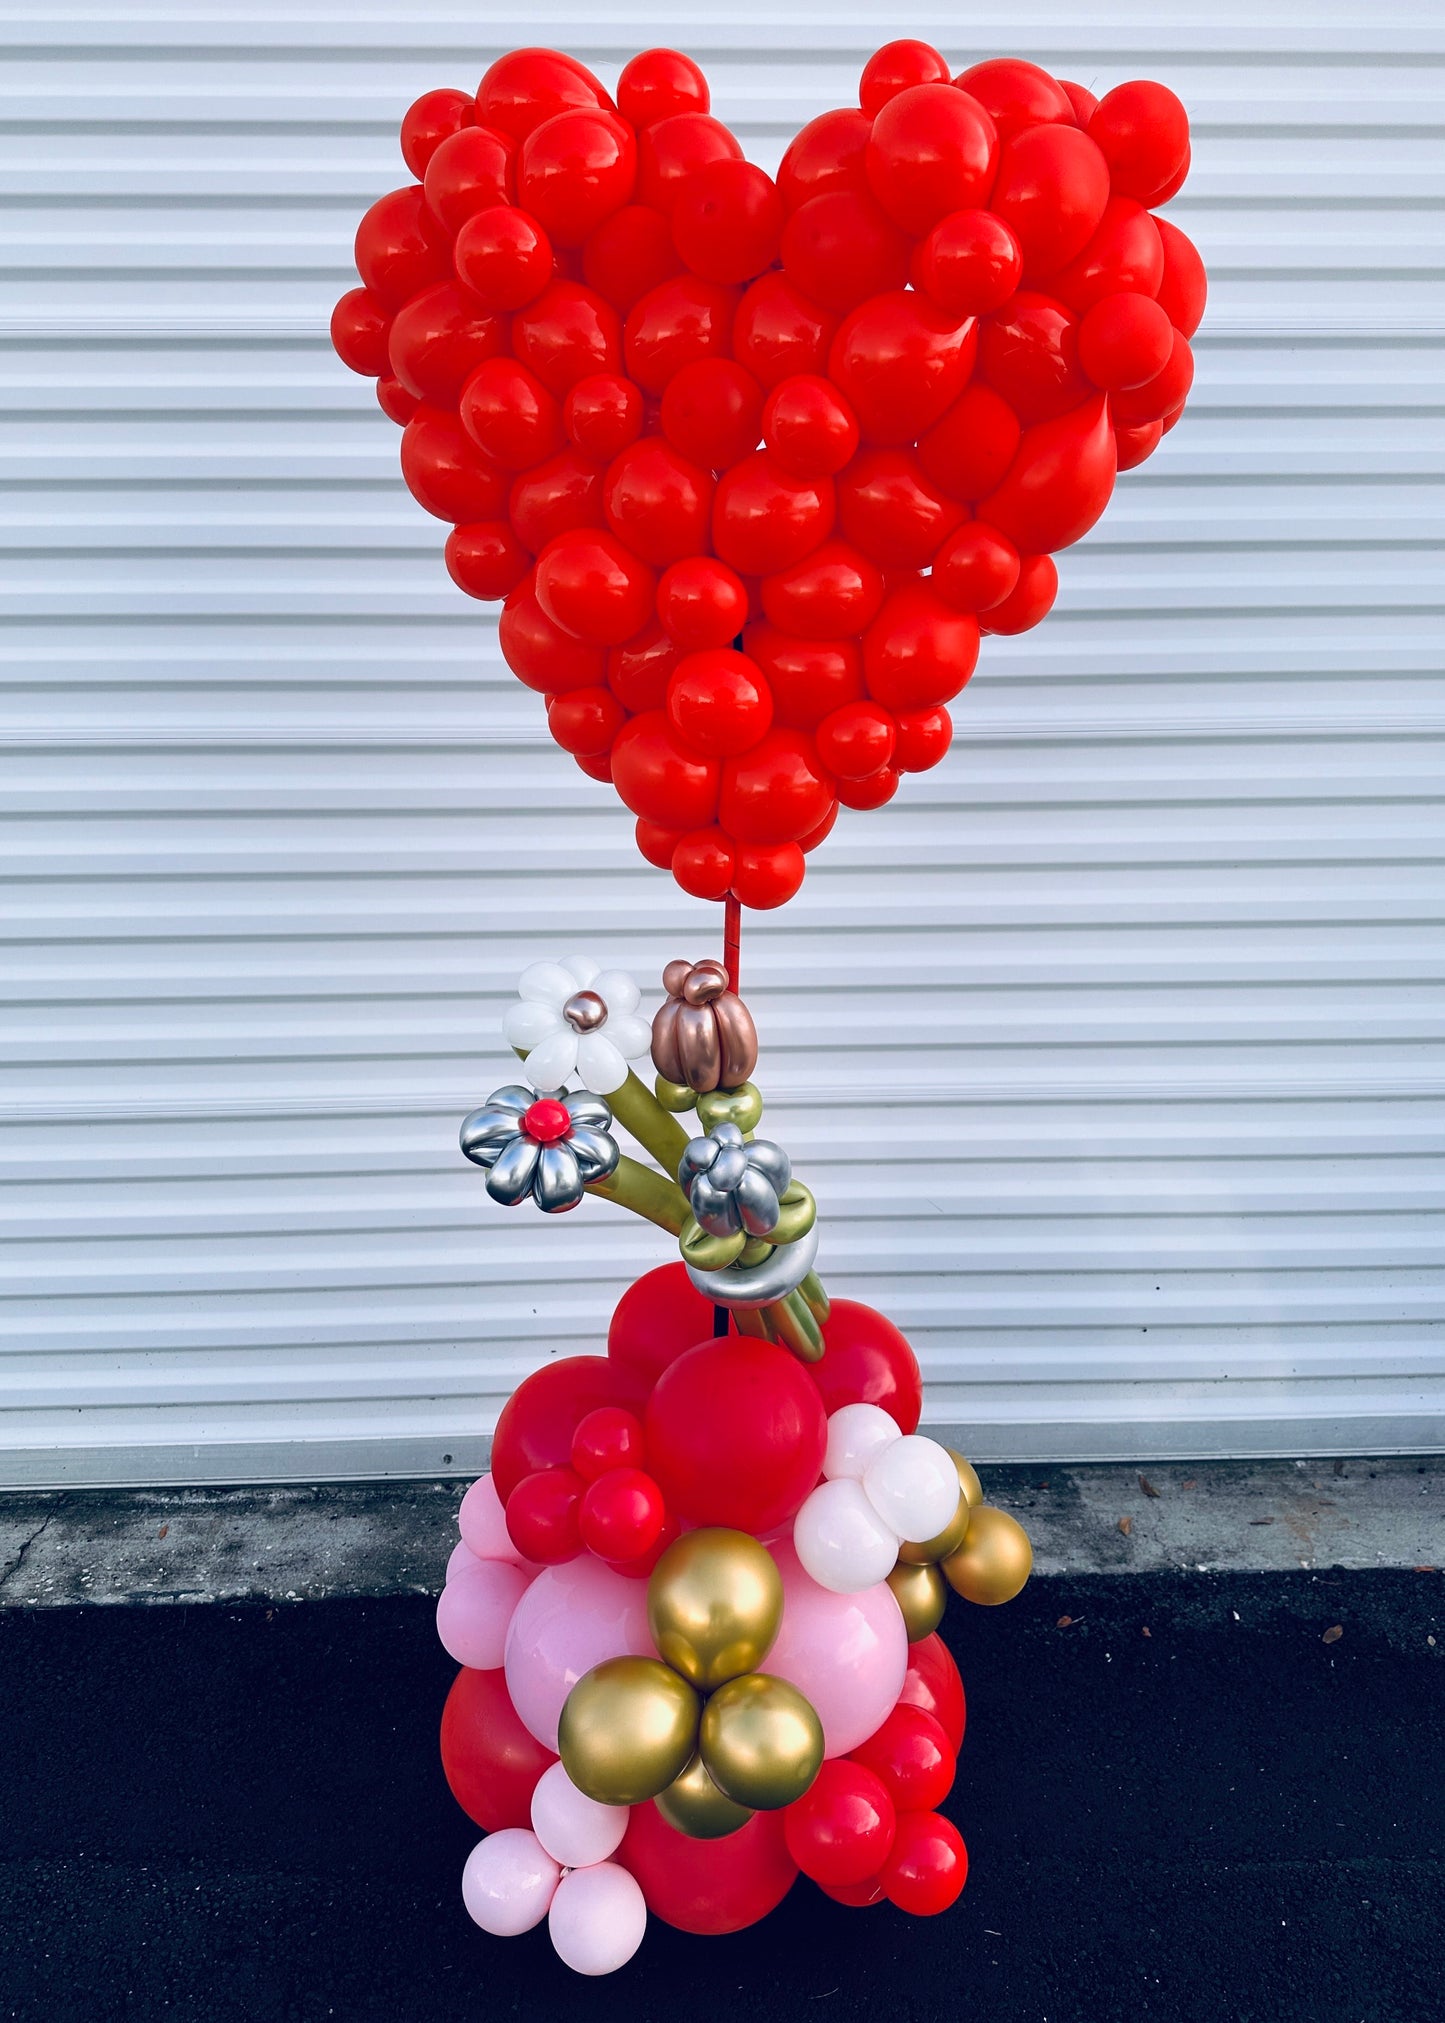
column 544, row 1147
column 734, row 1184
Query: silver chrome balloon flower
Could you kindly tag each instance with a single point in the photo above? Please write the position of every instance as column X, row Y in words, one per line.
column 546, row 1146
column 733, row 1183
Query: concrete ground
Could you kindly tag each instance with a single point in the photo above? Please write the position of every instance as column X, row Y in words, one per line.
column 1211, row 1796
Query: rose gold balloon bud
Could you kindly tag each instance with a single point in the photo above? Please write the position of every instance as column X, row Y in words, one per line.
column 703, row 1037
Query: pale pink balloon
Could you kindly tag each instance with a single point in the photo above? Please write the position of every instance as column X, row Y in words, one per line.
column 482, row 1523
column 462, row 1555
column 475, row 1608
column 847, row 1653
column 570, row 1619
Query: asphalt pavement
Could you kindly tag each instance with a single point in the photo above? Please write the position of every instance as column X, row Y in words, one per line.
column 1184, row 1797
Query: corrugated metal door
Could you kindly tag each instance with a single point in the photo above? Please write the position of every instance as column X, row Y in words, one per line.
column 1112, row 1049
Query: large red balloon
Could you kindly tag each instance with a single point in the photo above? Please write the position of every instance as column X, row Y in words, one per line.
column 655, row 1321
column 901, row 362
column 932, row 1682
column 491, row 1761
column 735, row 1434
column 708, row 1886
column 1058, row 484
column 526, row 86
column 866, row 1361
column 538, row 1420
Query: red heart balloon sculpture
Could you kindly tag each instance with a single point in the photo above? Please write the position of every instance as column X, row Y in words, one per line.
column 754, row 461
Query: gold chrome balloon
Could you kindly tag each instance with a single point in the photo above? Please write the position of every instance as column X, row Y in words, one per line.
column 694, row 1805
column 994, row 1560
column 628, row 1729
column 968, row 1480
column 927, row 1551
column 921, row 1593
column 742, row 1106
column 761, row 1741
column 714, row 1605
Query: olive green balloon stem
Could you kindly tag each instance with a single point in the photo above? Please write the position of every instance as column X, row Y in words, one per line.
column 797, row 1329
column 755, row 1321
column 638, row 1111
column 813, row 1293
column 648, row 1194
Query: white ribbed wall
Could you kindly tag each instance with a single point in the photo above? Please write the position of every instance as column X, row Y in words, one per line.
column 1136, row 1001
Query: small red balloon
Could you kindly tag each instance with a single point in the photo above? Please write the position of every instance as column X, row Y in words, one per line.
column 1030, row 600
column 1142, row 130
column 841, row 247
column 841, row 1830
column 1016, row 94
column 359, row 324
column 602, row 414
column 856, row 740
column 809, row 678
column 933, row 150
column 727, row 220
column 776, row 791
column 508, row 412
column 900, row 361
column 576, row 169
column 503, row 256
column 672, row 150
column 719, row 703
column 764, row 518
column 896, row 67
column 928, row 1867
column 674, row 324
column 857, row 1896
column 439, row 338
column 1053, row 184
column 657, row 502
column 919, row 651
column 469, row 172
column 922, row 739
column 661, row 778
column 765, row 877
column 809, row 427
column 610, row 1437
column 567, row 334
column 1183, row 287
column 638, row 671
column 779, row 332
column 446, row 472
column 400, row 248
column 486, row 559
column 527, row 86
column 593, row 586
column 539, row 1419
column 554, row 497
column 701, row 603
column 866, row 1361
column 628, row 254
column 711, row 412
column 585, row 721
column 735, row 1434
column 912, row 1757
column 1124, row 341
column 1134, row 445
column 967, row 453
column 703, row 863
column 541, row 654
column 658, row 83
column 395, row 402
column 542, row 1516
column 833, row 593
column 622, row 1514
column 976, row 568
column 1158, row 397
column 1029, row 353
column 872, row 791
column 431, row 119
column 490, row 1760
column 1124, row 255
column 826, row 154
column 1059, row 483
column 890, row 509
column 970, row 263
column 932, row 1682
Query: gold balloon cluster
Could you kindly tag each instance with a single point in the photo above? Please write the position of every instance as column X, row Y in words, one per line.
column 982, row 1553
column 699, row 1728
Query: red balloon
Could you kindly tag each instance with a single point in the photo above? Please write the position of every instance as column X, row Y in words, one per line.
column 711, row 412
column 1133, row 445
column 1124, row 341
column 901, row 362
column 1052, row 187
column 826, row 154
column 469, row 172
column 658, row 502
column 1124, row 256
column 719, row 703
column 490, row 1760
column 932, row 1683
column 431, row 119
column 856, row 740
column 503, row 256
column 764, row 518
column 670, row 151
column 395, row 402
column 968, row 452
column 765, row 878
column 976, row 568
column 576, row 169
column 776, row 791
column 970, row 263
column 659, row 83
column 840, row 1831
column 912, row 1757
column 823, row 831
column 892, row 511
column 602, row 414
column 656, row 1319
column 1176, row 182
column 439, row 338
column 585, row 721
column 1031, row 599
column 727, row 220
column 809, row 427
column 857, row 1896
column 779, row 332
column 538, row 1420
column 896, row 67
column 1029, row 353
column 508, row 412
column 831, row 594
column 610, row 1437
column 542, row 1514
column 928, row 1867
column 933, row 150
column 658, row 846
column 1083, row 101
column 866, row 1361
column 1016, row 94
column 871, row 791
column 708, row 1886
column 446, row 472
column 841, row 247
column 541, row 654
column 809, row 678
column 919, row 651
column 527, row 86
column 629, row 254
column 485, row 558
column 674, row 324
column 638, row 671
column 622, row 1514
column 735, row 1434
column 568, row 334
column 703, row 863
column 400, row 248
column 598, row 767
column 1161, row 395
column 922, row 738
column 554, row 497
column 1058, row 484
column 1142, row 130
column 701, row 604
column 359, row 324
column 593, row 586
column 662, row 779
column 1183, row 287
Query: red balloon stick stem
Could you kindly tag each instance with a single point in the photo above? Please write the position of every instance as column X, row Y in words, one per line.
column 732, row 934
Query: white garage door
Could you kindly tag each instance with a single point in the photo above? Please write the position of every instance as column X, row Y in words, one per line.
column 1147, row 976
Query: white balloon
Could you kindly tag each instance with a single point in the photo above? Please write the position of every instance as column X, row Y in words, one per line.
column 550, row 1063
column 855, row 1434
column 509, row 1882
column 841, row 1541
column 913, row 1485
column 573, row 1828
column 597, row 1919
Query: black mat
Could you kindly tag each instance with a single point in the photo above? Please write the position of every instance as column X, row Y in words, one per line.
column 214, row 1814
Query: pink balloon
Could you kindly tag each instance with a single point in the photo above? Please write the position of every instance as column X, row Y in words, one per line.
column 475, row 1608
column 570, row 1619
column 847, row 1653
column 483, row 1524
column 462, row 1555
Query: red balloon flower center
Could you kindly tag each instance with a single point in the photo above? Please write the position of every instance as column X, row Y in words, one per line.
column 547, row 1121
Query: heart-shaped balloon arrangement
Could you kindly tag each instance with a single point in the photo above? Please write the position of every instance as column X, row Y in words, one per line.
column 754, row 462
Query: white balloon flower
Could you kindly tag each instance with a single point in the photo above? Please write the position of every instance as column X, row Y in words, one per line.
column 575, row 1018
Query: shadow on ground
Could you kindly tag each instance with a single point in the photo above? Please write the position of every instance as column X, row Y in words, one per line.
column 237, row 1813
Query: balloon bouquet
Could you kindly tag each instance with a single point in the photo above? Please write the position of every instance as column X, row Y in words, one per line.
column 753, row 463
